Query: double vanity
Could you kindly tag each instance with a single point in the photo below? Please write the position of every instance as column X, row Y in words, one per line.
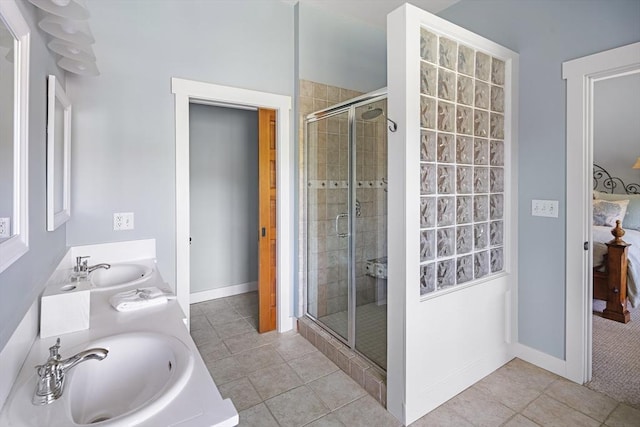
column 128, row 368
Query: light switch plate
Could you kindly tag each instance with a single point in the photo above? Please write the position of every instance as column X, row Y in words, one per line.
column 5, row 227
column 547, row 208
column 123, row 221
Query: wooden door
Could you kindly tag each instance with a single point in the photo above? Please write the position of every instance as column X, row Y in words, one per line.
column 267, row 220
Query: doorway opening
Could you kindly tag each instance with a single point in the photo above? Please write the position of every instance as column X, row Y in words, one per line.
column 187, row 92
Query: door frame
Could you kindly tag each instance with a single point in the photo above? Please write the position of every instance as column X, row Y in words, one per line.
column 186, row 91
column 581, row 75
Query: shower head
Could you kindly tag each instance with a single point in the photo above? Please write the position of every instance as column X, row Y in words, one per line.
column 371, row 114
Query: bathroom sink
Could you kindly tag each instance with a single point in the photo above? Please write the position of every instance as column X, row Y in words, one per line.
column 120, row 275
column 142, row 373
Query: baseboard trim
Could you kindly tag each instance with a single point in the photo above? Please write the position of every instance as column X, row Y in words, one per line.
column 541, row 359
column 227, row 291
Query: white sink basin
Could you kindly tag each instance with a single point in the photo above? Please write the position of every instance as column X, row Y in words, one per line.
column 120, row 275
column 142, row 373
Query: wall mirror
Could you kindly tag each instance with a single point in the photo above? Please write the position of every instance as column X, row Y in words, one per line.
column 58, row 154
column 14, row 95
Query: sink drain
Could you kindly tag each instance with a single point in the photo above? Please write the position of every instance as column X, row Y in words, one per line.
column 100, row 419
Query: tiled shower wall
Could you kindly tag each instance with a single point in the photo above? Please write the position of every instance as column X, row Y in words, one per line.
column 325, row 184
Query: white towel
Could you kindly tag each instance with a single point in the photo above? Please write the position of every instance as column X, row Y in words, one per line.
column 139, row 298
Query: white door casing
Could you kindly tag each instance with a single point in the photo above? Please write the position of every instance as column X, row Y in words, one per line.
column 581, row 75
column 441, row 344
column 187, row 91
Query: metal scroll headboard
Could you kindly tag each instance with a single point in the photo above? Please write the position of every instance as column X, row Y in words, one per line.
column 604, row 182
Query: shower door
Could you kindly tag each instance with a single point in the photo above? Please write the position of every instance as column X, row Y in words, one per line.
column 328, row 228
column 346, row 223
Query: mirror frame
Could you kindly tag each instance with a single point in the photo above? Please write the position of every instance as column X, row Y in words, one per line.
column 18, row 244
column 57, row 94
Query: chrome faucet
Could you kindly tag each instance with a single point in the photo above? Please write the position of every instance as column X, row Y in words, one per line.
column 51, row 375
column 82, row 269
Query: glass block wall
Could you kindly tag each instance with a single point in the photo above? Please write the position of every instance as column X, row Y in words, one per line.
column 461, row 163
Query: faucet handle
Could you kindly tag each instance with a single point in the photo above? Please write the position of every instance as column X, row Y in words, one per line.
column 80, row 263
column 53, row 351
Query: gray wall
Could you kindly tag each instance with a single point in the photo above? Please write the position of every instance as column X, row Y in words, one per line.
column 223, row 152
column 545, row 33
column 340, row 51
column 22, row 282
column 124, row 150
column 616, row 127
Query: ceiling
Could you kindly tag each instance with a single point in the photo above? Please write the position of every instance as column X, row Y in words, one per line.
column 374, row 12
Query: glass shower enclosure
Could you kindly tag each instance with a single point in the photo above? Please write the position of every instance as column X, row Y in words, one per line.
column 346, row 220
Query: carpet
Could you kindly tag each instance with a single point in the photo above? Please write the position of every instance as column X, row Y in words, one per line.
column 616, row 357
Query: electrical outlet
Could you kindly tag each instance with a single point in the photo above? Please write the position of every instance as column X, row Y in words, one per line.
column 5, row 227
column 548, row 208
column 123, row 221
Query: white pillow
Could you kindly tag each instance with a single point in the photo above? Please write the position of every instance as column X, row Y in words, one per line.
column 607, row 212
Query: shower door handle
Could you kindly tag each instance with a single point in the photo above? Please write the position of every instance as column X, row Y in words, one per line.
column 341, row 215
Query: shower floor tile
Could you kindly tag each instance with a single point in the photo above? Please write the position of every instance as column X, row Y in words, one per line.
column 371, row 330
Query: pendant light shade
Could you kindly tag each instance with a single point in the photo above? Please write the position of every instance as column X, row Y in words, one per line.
column 68, row 30
column 83, row 68
column 71, row 9
column 72, row 50
column 636, row 164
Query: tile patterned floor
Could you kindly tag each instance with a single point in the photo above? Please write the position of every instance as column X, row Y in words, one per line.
column 371, row 330
column 282, row 380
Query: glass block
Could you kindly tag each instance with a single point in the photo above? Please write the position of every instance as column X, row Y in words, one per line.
column 446, row 241
column 427, row 212
column 496, row 153
column 497, row 126
column 496, row 206
column 427, row 112
column 496, row 180
column 481, row 264
column 480, row 152
column 427, row 278
column 448, row 53
column 464, row 239
column 446, row 116
column 464, row 208
column 428, row 45
column 446, row 211
column 427, row 146
column 483, row 65
column 446, row 85
column 446, row 148
column 466, row 58
column 480, row 123
column 464, row 269
column 496, row 235
column 481, row 180
column 428, row 78
column 465, row 90
column 464, row 179
column 482, row 95
column 464, row 150
column 497, row 260
column 497, row 71
column 427, row 245
column 427, row 179
column 497, row 99
column 446, row 273
column 464, row 120
column 480, row 236
column 446, row 175
column 480, row 208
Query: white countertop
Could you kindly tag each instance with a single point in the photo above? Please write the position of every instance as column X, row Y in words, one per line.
column 199, row 404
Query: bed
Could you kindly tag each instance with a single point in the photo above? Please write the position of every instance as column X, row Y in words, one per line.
column 616, row 244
